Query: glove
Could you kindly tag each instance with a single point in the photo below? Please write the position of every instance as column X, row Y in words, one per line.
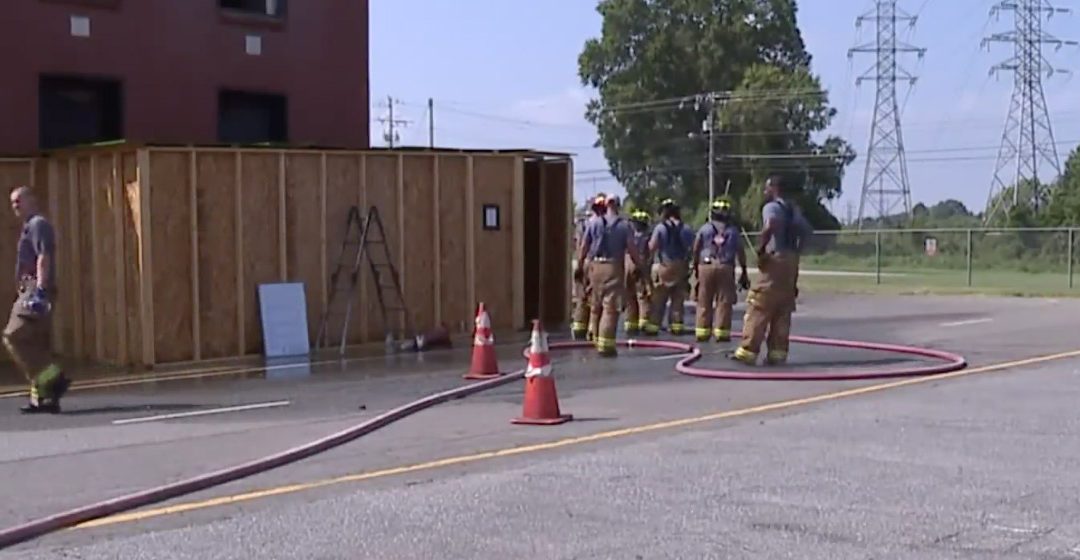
column 37, row 303
column 579, row 275
column 744, row 281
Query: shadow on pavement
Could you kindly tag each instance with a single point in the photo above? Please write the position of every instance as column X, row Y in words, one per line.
column 136, row 408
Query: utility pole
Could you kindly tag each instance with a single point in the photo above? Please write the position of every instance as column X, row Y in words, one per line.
column 1028, row 136
column 712, row 148
column 391, row 135
column 885, row 178
column 390, row 103
column 431, row 122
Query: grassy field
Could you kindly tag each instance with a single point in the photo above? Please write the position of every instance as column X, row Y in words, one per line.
column 928, row 281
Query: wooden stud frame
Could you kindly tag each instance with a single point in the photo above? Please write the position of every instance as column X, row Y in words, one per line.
column 283, row 238
column 517, row 230
column 146, row 261
column 240, row 323
column 569, row 225
column 402, row 276
column 470, row 232
column 193, row 200
column 324, row 241
column 436, row 192
column 51, row 172
column 77, row 256
column 365, row 327
column 135, row 253
column 116, row 189
column 95, row 265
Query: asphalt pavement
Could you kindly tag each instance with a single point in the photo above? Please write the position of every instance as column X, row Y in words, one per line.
column 109, row 442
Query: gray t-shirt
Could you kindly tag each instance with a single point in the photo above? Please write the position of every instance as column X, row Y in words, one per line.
column 786, row 237
column 719, row 241
column 607, row 237
column 673, row 240
column 38, row 238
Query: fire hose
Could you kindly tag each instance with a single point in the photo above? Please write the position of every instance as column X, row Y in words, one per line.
column 42, row 526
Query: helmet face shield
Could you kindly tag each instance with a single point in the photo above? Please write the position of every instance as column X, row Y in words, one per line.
column 599, row 203
column 720, row 208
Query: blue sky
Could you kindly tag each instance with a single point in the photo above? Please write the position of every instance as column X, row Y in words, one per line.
column 503, row 74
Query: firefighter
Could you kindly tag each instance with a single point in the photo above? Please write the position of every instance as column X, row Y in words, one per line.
column 771, row 301
column 717, row 246
column 638, row 279
column 580, row 323
column 27, row 335
column 671, row 242
column 607, row 241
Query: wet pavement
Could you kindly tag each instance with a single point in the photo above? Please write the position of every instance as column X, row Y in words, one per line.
column 112, row 441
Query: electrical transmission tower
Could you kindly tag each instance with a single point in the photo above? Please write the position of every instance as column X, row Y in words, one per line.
column 885, row 179
column 1028, row 138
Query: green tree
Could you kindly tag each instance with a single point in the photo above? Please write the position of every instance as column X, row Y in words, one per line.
column 652, row 52
column 1020, row 214
column 1064, row 207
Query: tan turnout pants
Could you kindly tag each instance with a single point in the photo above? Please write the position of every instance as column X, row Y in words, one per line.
column 29, row 341
column 768, row 309
column 579, row 322
column 715, row 290
column 670, row 282
column 637, row 296
column 608, row 281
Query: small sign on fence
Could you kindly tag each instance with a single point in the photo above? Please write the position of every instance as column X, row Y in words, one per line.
column 931, row 246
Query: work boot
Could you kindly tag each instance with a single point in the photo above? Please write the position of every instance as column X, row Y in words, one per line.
column 775, row 358
column 62, row 384
column 742, row 356
column 44, row 406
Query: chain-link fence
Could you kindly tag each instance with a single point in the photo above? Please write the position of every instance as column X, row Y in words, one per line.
column 1032, row 260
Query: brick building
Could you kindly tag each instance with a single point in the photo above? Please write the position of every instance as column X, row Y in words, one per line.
column 183, row 71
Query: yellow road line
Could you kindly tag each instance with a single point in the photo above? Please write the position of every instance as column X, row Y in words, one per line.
column 567, row 442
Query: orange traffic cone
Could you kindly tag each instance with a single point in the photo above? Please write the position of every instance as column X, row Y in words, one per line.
column 541, row 401
column 484, row 364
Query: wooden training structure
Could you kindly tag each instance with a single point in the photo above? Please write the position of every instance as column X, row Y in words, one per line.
column 161, row 249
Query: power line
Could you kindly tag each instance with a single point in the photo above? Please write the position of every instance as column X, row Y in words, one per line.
column 885, row 178
column 1028, row 137
column 391, row 136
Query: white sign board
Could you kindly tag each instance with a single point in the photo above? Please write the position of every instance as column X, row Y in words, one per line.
column 283, row 311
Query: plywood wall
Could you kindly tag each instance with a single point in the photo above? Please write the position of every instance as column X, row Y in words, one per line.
column 162, row 249
column 93, row 201
column 222, row 222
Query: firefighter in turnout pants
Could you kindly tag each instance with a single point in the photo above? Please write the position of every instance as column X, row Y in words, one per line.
column 638, row 278
column 580, row 325
column 771, row 301
column 27, row 335
column 671, row 241
column 607, row 241
column 716, row 248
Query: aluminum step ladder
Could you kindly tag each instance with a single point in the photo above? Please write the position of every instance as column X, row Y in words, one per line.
column 361, row 233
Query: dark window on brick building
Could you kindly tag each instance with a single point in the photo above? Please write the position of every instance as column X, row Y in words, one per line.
column 270, row 8
column 252, row 118
column 76, row 110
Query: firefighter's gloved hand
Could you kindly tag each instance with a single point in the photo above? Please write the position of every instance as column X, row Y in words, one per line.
column 579, row 275
column 744, row 281
column 38, row 302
